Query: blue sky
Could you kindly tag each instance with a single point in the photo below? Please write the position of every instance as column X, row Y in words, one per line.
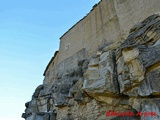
column 29, row 35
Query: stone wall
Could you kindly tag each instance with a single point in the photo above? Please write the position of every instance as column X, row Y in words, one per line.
column 97, row 72
column 108, row 22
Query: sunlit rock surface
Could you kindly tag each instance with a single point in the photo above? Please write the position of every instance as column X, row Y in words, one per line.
column 121, row 76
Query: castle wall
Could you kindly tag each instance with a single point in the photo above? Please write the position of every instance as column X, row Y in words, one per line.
column 108, row 22
column 122, row 76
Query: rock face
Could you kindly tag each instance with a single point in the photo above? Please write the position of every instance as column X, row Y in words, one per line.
column 120, row 81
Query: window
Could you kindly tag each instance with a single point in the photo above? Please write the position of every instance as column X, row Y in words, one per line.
column 67, row 46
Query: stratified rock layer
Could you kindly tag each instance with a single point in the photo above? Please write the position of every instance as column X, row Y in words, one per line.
column 118, row 77
column 123, row 79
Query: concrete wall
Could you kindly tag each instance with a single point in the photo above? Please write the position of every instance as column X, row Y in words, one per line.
column 108, row 22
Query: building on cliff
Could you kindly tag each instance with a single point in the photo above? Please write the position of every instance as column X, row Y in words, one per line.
column 109, row 60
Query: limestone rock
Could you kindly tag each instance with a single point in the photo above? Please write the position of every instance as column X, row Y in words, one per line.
column 61, row 89
column 37, row 91
column 100, row 77
column 138, row 59
column 120, row 76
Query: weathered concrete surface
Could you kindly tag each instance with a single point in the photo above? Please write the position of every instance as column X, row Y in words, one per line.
column 89, row 76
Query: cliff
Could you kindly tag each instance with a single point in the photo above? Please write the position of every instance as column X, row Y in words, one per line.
column 107, row 67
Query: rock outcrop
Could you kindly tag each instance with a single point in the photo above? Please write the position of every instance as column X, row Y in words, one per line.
column 122, row 78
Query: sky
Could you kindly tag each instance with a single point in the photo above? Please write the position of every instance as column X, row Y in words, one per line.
column 29, row 36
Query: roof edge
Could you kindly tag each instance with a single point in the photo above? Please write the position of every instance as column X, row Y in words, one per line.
column 55, row 54
column 81, row 19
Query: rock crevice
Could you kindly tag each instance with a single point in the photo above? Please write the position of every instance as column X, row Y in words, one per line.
column 121, row 77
